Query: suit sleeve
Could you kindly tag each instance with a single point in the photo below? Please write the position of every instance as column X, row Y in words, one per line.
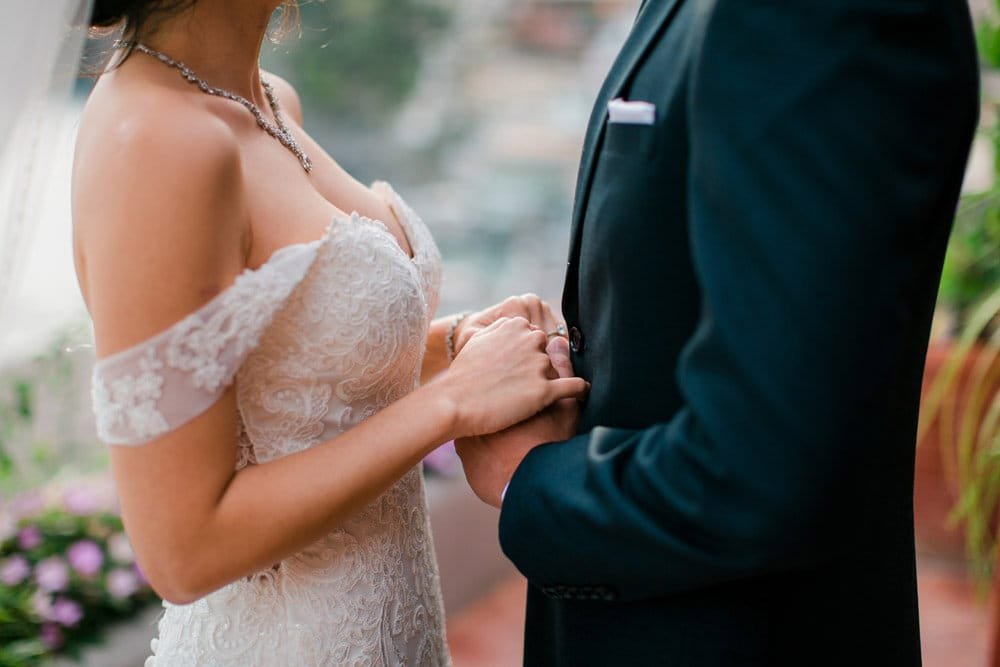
column 826, row 153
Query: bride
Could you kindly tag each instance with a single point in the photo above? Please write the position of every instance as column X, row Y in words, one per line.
column 268, row 370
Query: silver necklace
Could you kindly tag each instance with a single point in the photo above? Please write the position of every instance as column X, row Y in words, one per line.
column 279, row 131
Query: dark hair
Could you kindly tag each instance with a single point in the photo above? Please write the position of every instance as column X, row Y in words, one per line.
column 134, row 18
column 132, row 15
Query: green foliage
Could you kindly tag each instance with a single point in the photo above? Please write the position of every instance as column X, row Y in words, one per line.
column 44, row 409
column 357, row 60
column 964, row 400
column 988, row 39
column 972, row 265
column 15, row 416
column 23, row 393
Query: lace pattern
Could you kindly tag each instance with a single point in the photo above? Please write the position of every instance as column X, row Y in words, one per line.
column 317, row 340
column 165, row 382
column 364, row 595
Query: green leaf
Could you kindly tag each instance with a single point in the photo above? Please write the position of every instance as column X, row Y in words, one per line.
column 23, row 392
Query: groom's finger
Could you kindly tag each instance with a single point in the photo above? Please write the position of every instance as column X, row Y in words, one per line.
column 571, row 387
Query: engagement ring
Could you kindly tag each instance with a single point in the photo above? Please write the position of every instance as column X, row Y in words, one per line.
column 560, row 331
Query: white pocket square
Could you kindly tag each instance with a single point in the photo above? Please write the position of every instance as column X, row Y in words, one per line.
column 631, row 113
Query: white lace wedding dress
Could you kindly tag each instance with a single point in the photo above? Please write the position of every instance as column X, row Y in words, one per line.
column 322, row 336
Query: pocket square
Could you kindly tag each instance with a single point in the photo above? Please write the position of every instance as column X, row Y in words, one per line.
column 631, row 113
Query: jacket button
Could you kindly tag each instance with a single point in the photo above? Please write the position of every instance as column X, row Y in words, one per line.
column 576, row 340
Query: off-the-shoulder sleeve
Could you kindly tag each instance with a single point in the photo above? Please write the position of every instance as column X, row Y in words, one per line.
column 161, row 384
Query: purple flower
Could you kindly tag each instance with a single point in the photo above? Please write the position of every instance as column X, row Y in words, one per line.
column 14, row 570
column 444, row 460
column 81, row 501
column 29, row 537
column 51, row 574
column 120, row 549
column 51, row 635
column 122, row 583
column 85, row 557
column 66, row 612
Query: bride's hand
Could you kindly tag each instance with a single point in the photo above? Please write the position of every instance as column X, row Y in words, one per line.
column 490, row 460
column 529, row 306
column 503, row 376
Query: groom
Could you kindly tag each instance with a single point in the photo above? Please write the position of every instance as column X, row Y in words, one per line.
column 754, row 262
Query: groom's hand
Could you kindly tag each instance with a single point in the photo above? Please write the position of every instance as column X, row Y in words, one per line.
column 529, row 306
column 490, row 460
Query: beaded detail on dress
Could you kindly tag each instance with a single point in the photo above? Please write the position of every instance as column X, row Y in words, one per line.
column 321, row 337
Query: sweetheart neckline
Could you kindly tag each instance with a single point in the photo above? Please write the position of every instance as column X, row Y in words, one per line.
column 353, row 218
column 397, row 207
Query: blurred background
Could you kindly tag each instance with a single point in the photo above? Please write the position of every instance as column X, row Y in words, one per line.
column 475, row 111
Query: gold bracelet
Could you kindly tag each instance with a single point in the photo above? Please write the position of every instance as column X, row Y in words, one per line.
column 449, row 338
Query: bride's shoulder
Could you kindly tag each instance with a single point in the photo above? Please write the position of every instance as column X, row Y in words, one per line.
column 142, row 148
column 160, row 220
column 127, row 120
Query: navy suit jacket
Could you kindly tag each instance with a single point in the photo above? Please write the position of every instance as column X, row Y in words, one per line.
column 750, row 287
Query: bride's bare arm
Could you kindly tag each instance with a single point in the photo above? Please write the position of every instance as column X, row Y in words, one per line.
column 161, row 227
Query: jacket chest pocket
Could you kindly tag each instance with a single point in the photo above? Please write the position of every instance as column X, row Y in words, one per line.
column 630, row 140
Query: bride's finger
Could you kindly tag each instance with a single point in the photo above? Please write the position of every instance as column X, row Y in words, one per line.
column 509, row 326
column 533, row 305
column 496, row 324
column 539, row 340
column 553, row 322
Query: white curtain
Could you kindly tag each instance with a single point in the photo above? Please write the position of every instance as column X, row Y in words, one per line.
column 40, row 46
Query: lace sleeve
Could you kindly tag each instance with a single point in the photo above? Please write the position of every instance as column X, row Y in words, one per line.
column 161, row 384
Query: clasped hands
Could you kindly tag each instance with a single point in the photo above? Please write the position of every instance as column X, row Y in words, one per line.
column 490, row 460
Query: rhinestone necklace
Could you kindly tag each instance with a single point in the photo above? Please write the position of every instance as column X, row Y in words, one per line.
column 279, row 131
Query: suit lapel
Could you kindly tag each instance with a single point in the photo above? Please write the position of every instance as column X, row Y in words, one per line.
column 652, row 18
